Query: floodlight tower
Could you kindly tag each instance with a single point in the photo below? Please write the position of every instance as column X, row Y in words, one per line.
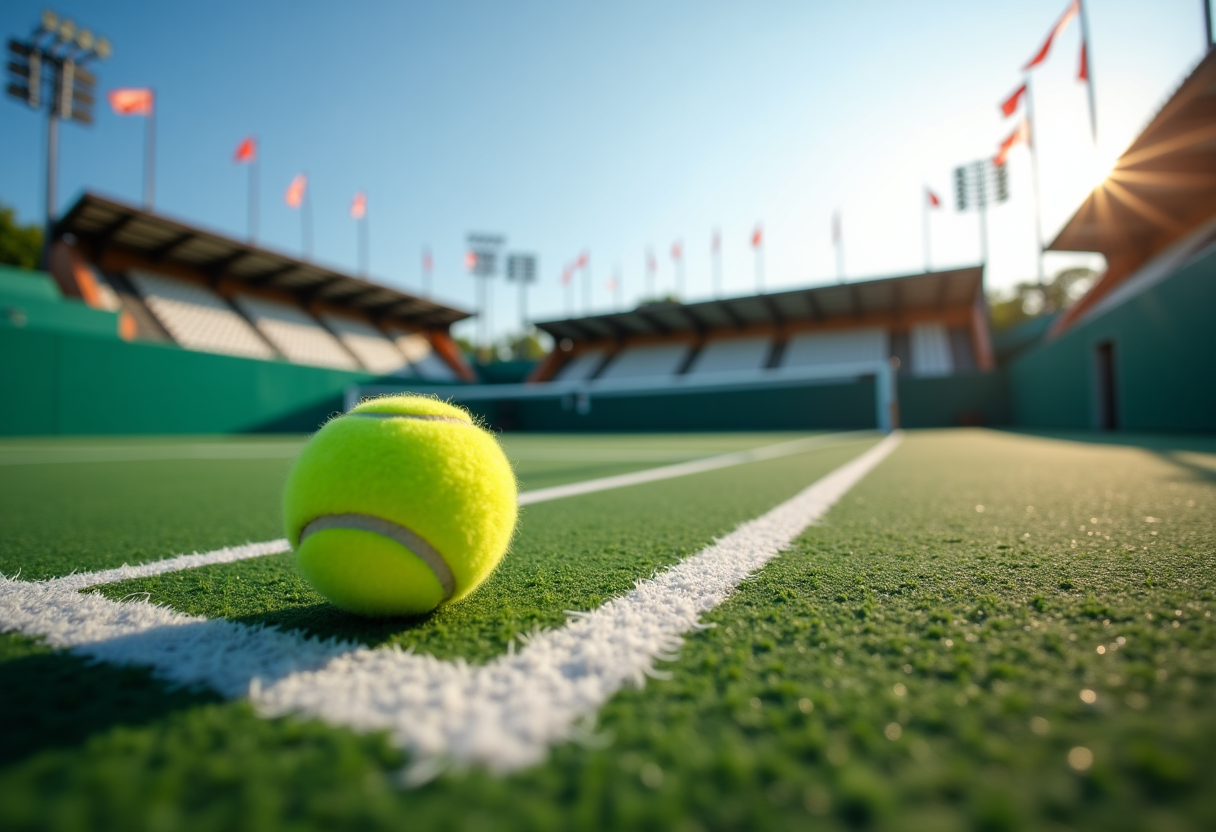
column 521, row 269
column 976, row 185
column 482, row 260
column 48, row 68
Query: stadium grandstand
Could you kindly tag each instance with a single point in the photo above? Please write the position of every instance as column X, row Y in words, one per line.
column 236, row 336
column 826, row 356
column 202, row 291
column 147, row 325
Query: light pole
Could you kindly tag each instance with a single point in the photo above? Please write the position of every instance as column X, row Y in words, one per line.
column 54, row 57
column 521, row 268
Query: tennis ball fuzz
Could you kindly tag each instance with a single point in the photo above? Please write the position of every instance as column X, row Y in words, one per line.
column 400, row 505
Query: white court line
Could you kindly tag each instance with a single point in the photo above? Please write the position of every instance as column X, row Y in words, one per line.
column 683, row 469
column 231, row 554
column 504, row 714
column 148, row 453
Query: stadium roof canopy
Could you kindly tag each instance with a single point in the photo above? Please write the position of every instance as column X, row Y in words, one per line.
column 887, row 297
column 1165, row 182
column 100, row 225
column 1161, row 189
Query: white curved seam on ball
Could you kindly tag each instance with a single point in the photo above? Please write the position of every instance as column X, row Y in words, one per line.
column 426, row 417
column 404, row 535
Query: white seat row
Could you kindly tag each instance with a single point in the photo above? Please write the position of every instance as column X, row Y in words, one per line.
column 295, row 333
column 198, row 318
column 929, row 345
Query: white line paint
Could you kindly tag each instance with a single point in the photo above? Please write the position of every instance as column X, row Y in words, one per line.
column 148, row 453
column 683, row 469
column 231, row 554
column 504, row 714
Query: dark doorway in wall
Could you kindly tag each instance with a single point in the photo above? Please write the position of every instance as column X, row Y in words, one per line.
column 1107, row 402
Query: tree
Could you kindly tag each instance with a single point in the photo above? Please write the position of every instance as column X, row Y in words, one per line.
column 1027, row 301
column 20, row 245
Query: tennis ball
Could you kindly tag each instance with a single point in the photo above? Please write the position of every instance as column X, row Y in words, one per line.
column 400, row 505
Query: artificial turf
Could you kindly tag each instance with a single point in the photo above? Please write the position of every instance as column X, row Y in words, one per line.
column 77, row 504
column 914, row 662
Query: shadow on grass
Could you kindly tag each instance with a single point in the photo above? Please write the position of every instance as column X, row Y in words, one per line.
column 1170, row 448
column 324, row 620
column 57, row 700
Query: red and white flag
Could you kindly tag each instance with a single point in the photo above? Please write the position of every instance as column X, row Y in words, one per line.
column 611, row 284
column 246, row 151
column 295, row 191
column 470, row 260
column 835, row 227
column 358, row 206
column 1010, row 105
column 1019, row 136
column 651, row 263
column 1074, row 8
column 583, row 260
column 1083, row 72
column 934, row 199
column 131, row 101
column 428, row 265
column 716, row 245
column 677, row 250
column 567, row 275
column 757, row 237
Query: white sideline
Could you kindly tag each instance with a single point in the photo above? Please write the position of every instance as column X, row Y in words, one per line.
column 504, row 714
column 682, row 469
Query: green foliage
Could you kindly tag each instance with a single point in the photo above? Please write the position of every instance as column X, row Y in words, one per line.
column 1027, row 301
column 20, row 245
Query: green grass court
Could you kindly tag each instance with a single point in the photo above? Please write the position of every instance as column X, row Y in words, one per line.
column 992, row 631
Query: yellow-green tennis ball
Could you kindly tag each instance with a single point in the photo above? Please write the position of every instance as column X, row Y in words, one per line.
column 400, row 505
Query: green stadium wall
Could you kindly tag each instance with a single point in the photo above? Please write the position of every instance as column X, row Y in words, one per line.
column 58, row 383
column 1165, row 362
column 809, row 407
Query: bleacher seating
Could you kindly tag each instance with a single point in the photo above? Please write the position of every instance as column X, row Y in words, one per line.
column 646, row 361
column 198, row 318
column 581, row 367
column 295, row 333
column 369, row 345
column 930, row 344
column 422, row 358
column 731, row 355
column 847, row 346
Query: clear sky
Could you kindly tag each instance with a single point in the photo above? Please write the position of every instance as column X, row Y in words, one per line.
column 610, row 128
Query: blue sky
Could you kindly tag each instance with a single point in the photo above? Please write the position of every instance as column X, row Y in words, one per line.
column 611, row 128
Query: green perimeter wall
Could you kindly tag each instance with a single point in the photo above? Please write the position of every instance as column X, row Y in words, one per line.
column 781, row 408
column 78, row 384
column 1165, row 362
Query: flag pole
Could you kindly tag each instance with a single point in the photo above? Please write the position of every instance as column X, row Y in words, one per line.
column 587, row 286
column 253, row 200
column 1032, row 141
column 838, row 238
column 717, row 264
column 306, row 219
column 680, row 275
column 364, row 246
column 150, row 155
column 1089, row 72
column 924, row 207
column 760, row 269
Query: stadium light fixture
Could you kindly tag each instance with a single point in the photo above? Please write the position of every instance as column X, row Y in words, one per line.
column 977, row 185
column 482, row 260
column 47, row 69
